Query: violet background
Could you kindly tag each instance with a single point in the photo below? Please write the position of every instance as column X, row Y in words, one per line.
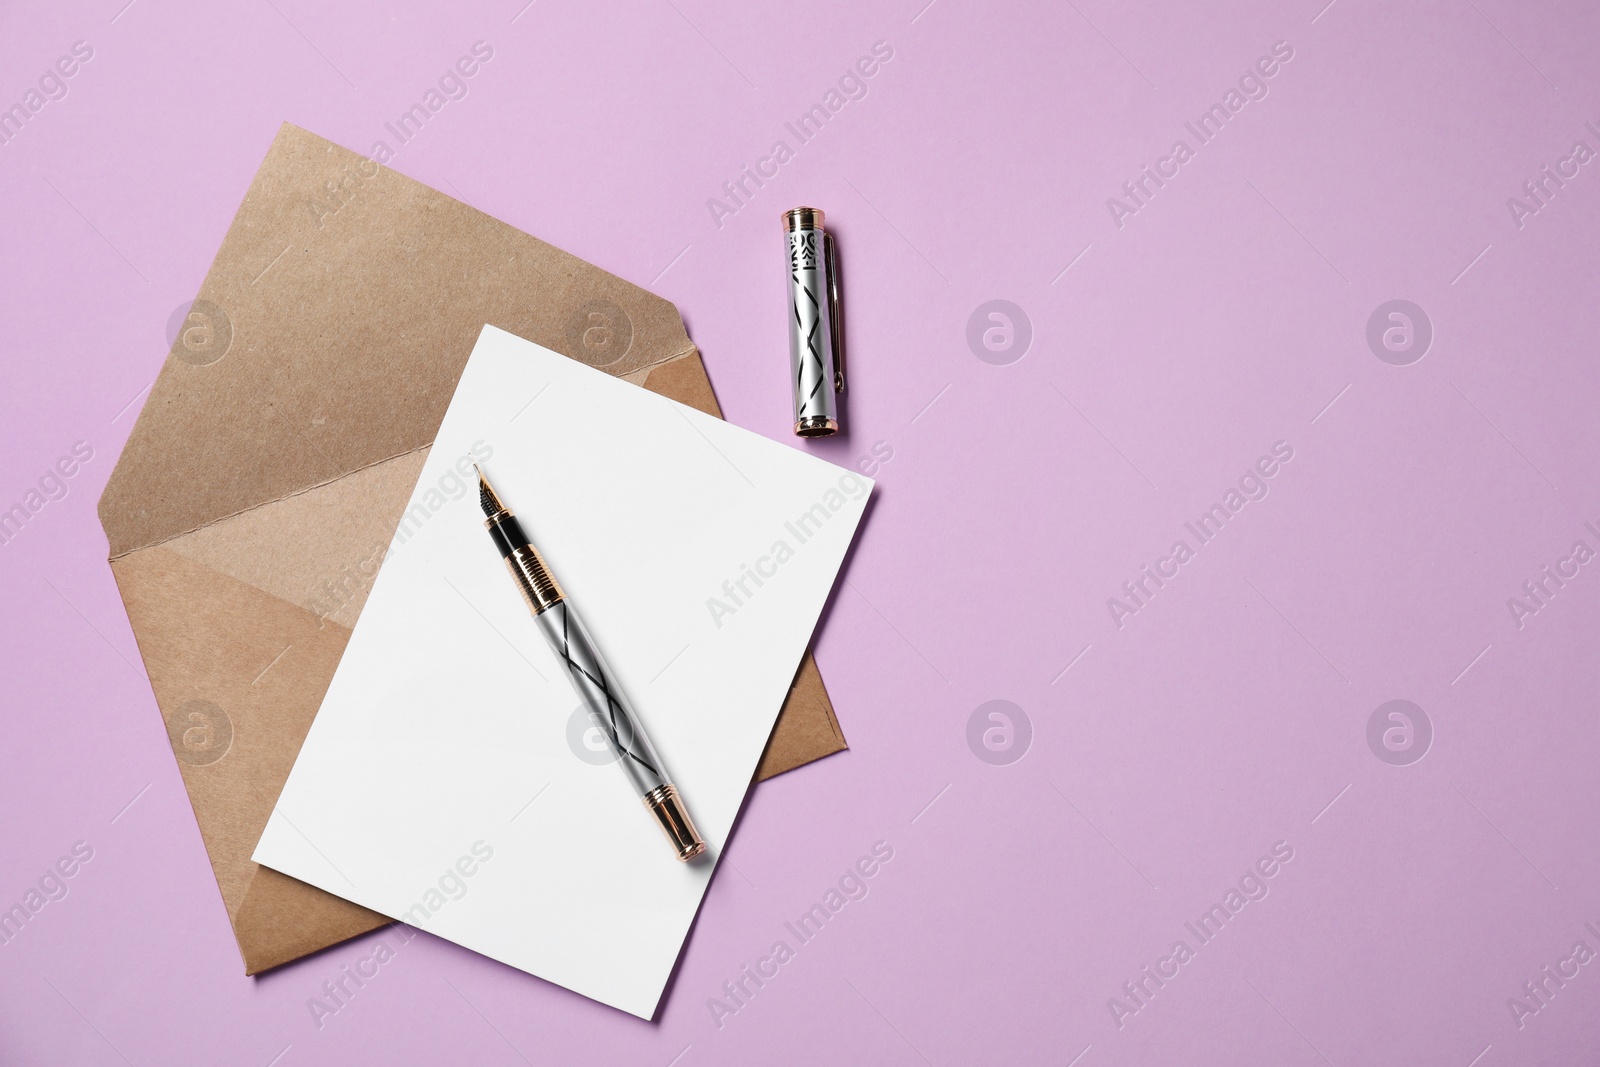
column 1223, row 317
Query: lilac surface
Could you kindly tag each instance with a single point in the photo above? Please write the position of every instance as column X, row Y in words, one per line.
column 1168, row 353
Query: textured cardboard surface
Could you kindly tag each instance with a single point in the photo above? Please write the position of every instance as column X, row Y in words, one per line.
column 253, row 503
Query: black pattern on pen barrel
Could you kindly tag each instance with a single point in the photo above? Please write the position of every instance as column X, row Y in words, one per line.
column 599, row 680
column 811, row 340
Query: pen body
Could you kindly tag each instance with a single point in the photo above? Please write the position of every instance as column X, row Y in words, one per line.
column 607, row 705
column 596, row 686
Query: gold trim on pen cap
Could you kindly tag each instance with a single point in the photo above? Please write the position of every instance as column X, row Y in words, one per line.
column 802, row 218
column 816, row 426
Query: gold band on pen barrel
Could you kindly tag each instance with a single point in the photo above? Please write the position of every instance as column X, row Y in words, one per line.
column 538, row 586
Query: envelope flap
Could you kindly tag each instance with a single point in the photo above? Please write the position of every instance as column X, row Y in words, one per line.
column 273, row 386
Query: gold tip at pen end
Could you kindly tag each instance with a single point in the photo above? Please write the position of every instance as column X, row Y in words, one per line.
column 488, row 499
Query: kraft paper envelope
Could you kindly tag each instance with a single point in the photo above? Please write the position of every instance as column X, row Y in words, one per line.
column 445, row 781
column 251, row 509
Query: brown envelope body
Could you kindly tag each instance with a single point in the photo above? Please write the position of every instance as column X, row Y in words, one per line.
column 263, row 482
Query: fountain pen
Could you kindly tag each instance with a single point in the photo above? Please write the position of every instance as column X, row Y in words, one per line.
column 607, row 705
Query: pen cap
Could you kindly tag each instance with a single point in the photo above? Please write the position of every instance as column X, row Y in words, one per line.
column 816, row 356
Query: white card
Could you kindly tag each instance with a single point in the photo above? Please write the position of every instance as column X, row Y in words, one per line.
column 450, row 779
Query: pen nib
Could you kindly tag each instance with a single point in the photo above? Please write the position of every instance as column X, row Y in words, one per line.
column 487, row 497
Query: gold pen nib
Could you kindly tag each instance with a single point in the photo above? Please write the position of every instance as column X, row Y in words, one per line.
column 487, row 498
